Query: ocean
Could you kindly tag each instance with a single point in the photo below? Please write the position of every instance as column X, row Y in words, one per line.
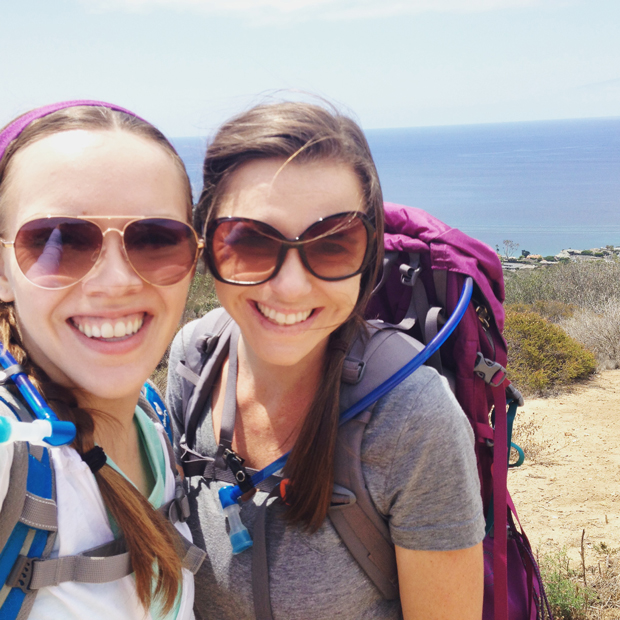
column 544, row 185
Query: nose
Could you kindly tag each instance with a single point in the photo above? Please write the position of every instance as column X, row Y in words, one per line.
column 112, row 273
column 293, row 281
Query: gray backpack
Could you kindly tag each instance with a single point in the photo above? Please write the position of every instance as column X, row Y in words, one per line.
column 368, row 364
column 28, row 526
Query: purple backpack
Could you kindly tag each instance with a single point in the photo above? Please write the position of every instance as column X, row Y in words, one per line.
column 425, row 267
column 433, row 261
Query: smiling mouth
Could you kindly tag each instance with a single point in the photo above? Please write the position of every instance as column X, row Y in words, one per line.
column 281, row 318
column 109, row 330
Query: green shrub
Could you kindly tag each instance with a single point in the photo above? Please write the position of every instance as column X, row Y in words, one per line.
column 542, row 358
column 549, row 258
column 569, row 600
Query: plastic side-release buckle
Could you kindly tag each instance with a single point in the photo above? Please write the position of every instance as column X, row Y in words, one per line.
column 487, row 370
column 21, row 574
column 408, row 274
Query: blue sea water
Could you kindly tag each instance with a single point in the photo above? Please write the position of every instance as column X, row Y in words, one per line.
column 545, row 185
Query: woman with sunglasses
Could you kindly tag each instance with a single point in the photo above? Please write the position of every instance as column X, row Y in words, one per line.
column 97, row 257
column 293, row 219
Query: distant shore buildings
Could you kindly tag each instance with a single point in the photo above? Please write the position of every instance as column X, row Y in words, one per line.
column 533, row 261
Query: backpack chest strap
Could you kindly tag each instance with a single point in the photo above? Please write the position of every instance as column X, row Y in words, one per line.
column 101, row 564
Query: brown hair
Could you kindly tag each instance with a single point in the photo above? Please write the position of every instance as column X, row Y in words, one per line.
column 151, row 540
column 303, row 133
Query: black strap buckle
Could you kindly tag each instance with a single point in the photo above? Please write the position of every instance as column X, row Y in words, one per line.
column 21, row 574
column 235, row 463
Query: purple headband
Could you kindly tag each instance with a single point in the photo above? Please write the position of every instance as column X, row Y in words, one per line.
column 17, row 126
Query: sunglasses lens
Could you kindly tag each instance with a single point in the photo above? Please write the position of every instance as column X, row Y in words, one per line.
column 336, row 248
column 247, row 251
column 161, row 251
column 243, row 251
column 57, row 252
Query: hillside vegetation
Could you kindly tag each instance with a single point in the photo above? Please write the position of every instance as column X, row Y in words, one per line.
column 562, row 323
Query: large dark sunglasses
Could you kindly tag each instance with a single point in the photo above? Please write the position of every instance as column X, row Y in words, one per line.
column 247, row 252
column 55, row 252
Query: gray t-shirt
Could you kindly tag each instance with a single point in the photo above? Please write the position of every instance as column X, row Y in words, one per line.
column 419, row 465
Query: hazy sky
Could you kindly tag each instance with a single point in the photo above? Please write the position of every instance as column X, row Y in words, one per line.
column 188, row 64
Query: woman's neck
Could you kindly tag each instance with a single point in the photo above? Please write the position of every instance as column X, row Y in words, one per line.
column 274, row 382
column 272, row 403
column 117, row 433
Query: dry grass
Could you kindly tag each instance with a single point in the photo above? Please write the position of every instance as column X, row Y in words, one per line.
column 598, row 330
column 527, row 435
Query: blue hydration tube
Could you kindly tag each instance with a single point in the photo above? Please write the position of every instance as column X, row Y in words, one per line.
column 52, row 431
column 231, row 494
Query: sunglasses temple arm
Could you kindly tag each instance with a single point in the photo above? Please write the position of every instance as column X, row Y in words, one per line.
column 57, row 432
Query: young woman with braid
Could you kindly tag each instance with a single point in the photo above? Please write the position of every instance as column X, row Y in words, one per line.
column 98, row 253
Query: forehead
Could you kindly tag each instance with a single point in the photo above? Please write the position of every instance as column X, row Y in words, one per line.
column 291, row 196
column 84, row 172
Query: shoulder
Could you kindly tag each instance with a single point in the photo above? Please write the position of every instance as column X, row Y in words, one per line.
column 419, row 410
column 181, row 340
column 419, row 464
column 192, row 334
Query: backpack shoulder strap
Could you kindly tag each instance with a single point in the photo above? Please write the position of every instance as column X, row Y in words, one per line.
column 361, row 527
column 32, row 570
column 207, row 348
column 28, row 520
column 153, row 397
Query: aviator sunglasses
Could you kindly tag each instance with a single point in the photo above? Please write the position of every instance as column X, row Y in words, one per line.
column 55, row 252
column 247, row 252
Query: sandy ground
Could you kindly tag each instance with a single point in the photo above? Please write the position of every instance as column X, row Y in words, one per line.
column 573, row 483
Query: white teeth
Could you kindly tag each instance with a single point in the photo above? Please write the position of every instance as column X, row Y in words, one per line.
column 107, row 330
column 283, row 319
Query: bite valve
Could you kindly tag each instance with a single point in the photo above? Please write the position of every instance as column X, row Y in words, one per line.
column 239, row 536
column 37, row 432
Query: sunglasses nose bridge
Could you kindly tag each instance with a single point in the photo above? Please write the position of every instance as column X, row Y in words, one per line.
column 283, row 254
column 121, row 233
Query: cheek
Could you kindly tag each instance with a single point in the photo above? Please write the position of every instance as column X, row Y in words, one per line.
column 7, row 277
column 345, row 294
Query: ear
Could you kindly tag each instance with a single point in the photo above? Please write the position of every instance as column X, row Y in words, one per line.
column 6, row 288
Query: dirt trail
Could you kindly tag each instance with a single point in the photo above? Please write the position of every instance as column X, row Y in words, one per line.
column 574, row 482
